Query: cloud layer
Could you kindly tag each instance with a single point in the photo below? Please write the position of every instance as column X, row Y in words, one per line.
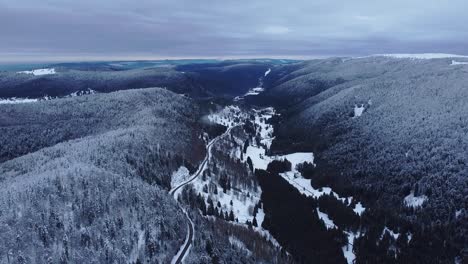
column 241, row 28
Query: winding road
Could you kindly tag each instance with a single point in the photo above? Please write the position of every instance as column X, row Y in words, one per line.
column 185, row 248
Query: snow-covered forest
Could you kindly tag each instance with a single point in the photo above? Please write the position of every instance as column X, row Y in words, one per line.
column 342, row 160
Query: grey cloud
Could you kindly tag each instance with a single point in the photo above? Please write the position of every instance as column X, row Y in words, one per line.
column 207, row 28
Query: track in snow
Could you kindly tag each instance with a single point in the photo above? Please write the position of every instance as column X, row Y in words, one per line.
column 185, row 248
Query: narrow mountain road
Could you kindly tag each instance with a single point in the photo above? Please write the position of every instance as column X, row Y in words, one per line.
column 185, row 248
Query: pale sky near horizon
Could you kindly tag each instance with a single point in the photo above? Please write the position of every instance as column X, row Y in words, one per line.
column 34, row 30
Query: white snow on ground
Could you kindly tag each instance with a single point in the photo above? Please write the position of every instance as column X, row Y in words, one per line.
column 454, row 62
column 255, row 91
column 359, row 209
column 260, row 161
column 348, row 249
column 414, row 201
column 15, row 100
column 395, row 235
column 179, row 176
column 39, row 72
column 242, row 206
column 267, row 72
column 258, row 157
column 240, row 245
column 266, row 130
column 358, row 110
column 303, row 186
column 260, row 216
column 422, row 56
column 297, row 158
column 324, row 217
column 227, row 116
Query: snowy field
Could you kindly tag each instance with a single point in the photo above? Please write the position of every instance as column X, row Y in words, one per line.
column 39, row 72
column 15, row 100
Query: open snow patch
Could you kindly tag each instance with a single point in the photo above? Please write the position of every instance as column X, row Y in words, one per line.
column 359, row 209
column 179, row 176
column 358, row 110
column 255, row 91
column 39, row 72
column 395, row 235
column 454, row 62
column 348, row 251
column 422, row 56
column 414, row 201
column 324, row 217
column 267, row 72
column 298, row 158
column 15, row 100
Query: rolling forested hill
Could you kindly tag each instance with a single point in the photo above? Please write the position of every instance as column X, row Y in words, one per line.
column 95, row 186
column 393, row 129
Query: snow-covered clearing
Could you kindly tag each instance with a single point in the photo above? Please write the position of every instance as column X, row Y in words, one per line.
column 414, row 201
column 179, row 176
column 326, row 220
column 229, row 116
column 255, row 91
column 38, row 72
column 258, row 157
column 298, row 158
column 15, row 100
column 359, row 209
column 265, row 130
column 304, row 187
column 454, row 62
column 395, row 235
column 348, row 249
column 267, row 72
column 358, row 110
column 421, row 56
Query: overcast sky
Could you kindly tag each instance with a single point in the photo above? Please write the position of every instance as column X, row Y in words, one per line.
column 126, row 29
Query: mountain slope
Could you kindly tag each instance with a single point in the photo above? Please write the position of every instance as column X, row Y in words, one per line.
column 93, row 198
column 387, row 127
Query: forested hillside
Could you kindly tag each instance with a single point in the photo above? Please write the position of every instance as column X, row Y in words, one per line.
column 85, row 179
column 97, row 194
column 392, row 131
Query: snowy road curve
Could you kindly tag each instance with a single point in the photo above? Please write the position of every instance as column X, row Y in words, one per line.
column 185, row 248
